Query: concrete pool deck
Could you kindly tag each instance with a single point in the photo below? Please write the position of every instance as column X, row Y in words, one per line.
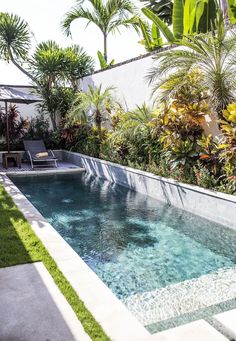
column 63, row 167
column 33, row 308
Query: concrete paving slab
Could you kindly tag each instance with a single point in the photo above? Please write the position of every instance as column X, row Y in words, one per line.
column 195, row 331
column 227, row 321
column 32, row 307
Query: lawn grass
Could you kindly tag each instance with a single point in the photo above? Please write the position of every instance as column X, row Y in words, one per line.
column 20, row 245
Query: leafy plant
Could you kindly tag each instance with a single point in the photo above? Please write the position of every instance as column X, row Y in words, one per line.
column 188, row 17
column 103, row 62
column 162, row 8
column 17, row 125
column 227, row 145
column 151, row 36
column 211, row 54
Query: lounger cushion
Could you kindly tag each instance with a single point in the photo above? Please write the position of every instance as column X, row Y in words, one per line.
column 42, row 154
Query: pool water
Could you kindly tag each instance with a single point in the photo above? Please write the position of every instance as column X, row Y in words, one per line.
column 134, row 243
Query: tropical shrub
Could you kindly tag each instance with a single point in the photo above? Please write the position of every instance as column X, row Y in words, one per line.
column 211, row 54
column 227, row 145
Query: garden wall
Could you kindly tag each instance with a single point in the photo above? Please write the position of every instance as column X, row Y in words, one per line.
column 132, row 88
column 218, row 207
column 128, row 78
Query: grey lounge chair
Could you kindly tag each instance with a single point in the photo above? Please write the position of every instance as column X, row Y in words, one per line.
column 33, row 148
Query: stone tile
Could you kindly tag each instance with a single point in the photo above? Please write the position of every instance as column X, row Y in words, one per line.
column 227, row 321
column 32, row 307
column 183, row 297
column 194, row 331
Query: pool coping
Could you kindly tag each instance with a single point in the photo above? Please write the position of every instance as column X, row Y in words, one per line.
column 116, row 320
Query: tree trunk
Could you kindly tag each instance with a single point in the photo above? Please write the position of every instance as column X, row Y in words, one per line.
column 23, row 70
column 53, row 121
column 105, row 46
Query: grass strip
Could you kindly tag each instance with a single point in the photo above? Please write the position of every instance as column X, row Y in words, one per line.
column 20, row 245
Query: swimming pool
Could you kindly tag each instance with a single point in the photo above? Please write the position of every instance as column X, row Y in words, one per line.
column 166, row 265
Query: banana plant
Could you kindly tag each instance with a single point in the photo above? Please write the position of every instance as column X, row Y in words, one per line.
column 103, row 63
column 231, row 10
column 189, row 17
column 151, row 36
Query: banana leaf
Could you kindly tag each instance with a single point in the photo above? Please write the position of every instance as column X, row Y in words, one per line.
column 178, row 18
column 160, row 24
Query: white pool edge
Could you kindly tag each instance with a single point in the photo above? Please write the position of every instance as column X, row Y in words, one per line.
column 115, row 319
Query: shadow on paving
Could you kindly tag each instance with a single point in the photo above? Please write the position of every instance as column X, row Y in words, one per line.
column 31, row 306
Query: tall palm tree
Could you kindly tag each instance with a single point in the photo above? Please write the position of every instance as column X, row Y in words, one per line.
column 95, row 106
column 212, row 54
column 109, row 16
column 15, row 41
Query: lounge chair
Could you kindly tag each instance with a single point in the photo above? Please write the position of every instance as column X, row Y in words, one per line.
column 38, row 154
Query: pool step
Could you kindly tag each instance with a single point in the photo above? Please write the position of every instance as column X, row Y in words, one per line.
column 227, row 323
column 184, row 297
column 195, row 331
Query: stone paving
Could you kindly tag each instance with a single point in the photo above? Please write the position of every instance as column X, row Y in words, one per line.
column 26, row 167
column 32, row 307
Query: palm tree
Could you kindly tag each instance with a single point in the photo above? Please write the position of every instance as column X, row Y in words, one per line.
column 212, row 54
column 109, row 16
column 95, row 106
column 15, row 41
column 140, row 118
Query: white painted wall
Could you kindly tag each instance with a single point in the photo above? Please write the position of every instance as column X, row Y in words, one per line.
column 129, row 80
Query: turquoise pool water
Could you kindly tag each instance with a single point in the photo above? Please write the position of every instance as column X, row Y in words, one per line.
column 134, row 243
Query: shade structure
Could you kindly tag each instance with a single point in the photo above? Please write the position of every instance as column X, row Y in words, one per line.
column 11, row 95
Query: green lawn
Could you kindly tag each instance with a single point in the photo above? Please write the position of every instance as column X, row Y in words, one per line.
column 19, row 245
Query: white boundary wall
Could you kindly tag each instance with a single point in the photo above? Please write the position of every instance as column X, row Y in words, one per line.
column 129, row 79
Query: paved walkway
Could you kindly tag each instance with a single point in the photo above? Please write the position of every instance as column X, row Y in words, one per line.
column 33, row 309
column 26, row 167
